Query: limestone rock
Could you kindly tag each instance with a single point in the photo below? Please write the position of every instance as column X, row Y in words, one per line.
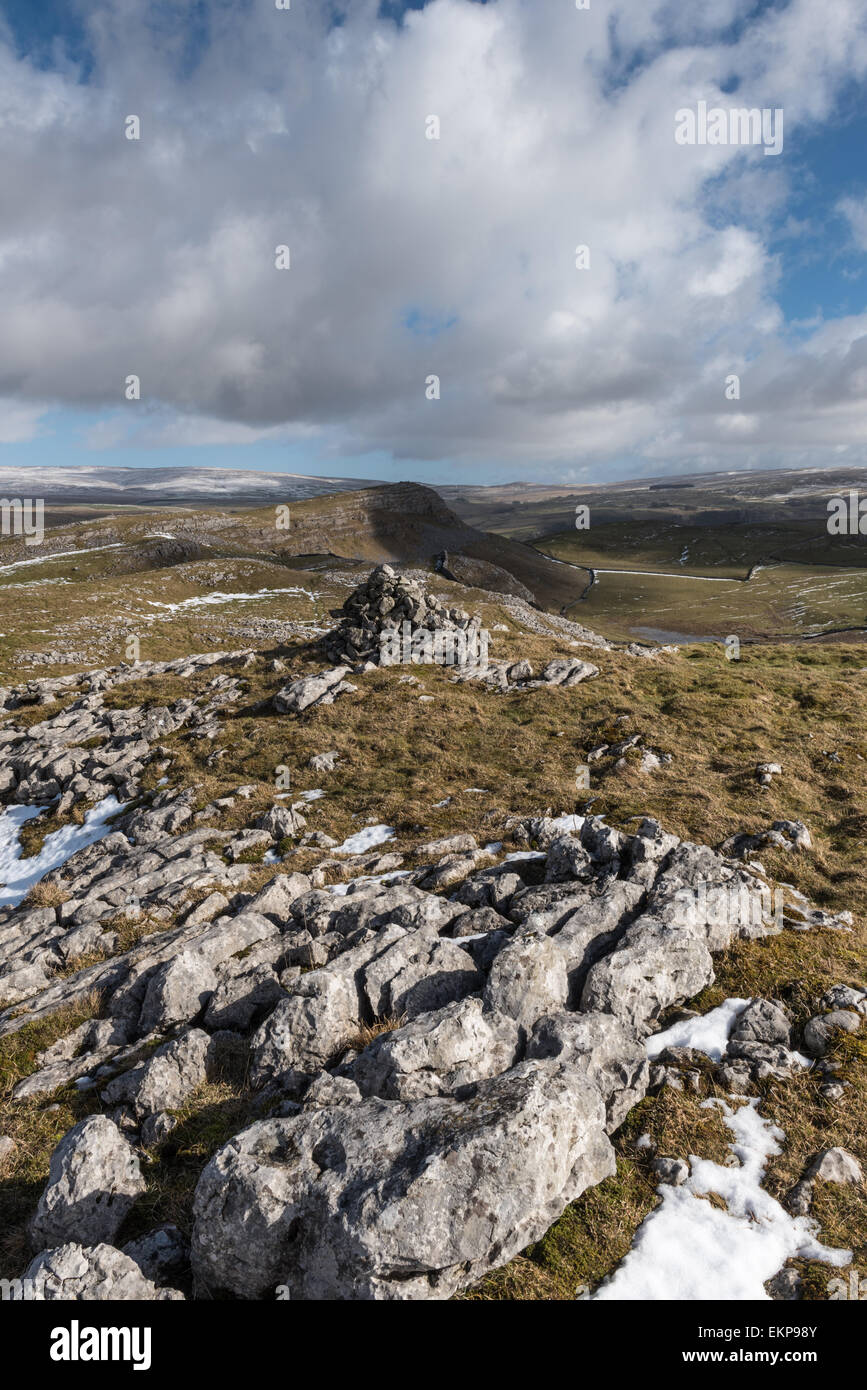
column 93, row 1180
column 384, row 1200
column 91, row 1274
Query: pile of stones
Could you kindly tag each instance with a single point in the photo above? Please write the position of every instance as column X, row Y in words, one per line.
column 383, row 604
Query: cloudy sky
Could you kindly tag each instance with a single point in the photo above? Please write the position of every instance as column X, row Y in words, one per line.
column 412, row 257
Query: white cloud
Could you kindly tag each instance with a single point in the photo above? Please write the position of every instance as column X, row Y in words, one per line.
column 157, row 257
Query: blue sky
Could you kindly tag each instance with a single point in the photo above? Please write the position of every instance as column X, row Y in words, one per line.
column 413, row 257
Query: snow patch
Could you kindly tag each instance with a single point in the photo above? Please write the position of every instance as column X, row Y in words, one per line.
column 217, row 597
column 689, row 1250
column 61, row 555
column 18, row 875
column 365, row 839
column 709, row 1033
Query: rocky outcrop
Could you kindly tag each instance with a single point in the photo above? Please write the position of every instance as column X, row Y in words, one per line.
column 398, row 1200
column 437, row 1060
column 91, row 1274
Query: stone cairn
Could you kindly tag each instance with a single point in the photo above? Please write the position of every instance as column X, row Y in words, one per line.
column 387, row 603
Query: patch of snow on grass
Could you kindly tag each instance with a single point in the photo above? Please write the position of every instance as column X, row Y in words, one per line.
column 368, row 838
column 709, row 1033
column 217, row 597
column 18, row 875
column 570, row 824
column 60, row 555
column 689, row 1250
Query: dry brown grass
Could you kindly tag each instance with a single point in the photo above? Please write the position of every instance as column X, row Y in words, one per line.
column 46, row 895
column 366, row 1033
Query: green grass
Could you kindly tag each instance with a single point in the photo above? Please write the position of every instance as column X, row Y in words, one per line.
column 825, row 589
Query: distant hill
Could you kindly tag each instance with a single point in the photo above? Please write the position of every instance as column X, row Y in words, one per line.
column 158, row 486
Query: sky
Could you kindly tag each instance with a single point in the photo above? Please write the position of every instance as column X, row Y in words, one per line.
column 435, row 320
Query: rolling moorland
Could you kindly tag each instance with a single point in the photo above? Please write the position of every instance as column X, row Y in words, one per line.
column 655, row 553
column 433, row 783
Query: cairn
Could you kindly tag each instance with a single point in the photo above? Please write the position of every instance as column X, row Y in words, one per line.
column 389, row 619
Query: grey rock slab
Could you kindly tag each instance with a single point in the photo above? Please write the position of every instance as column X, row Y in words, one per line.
column 309, row 690
column 383, row 1200
column 91, row 1274
column 479, row 920
column 567, row 861
column 420, row 972
column 611, row 1055
column 243, row 998
column 328, row 1090
column 305, row 1030
column 652, row 967
column 568, row 671
column 94, row 1178
column 593, row 928
column 161, row 1255
column 214, row 905
column 164, row 1081
column 436, row 1052
column 177, row 992
column 527, row 979
column 276, row 898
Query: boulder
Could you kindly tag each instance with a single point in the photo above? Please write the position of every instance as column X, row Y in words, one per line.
column 652, row 967
column 763, row 1021
column 397, row 1201
column 420, row 972
column 305, row 1031
column 823, row 1031
column 177, row 992
column 244, row 998
column 94, row 1178
column 311, row 690
column 835, row 1165
column 161, row 1255
column 166, row 1080
column 611, row 1056
column 91, row 1274
column 437, row 1052
column 527, row 979
column 275, row 900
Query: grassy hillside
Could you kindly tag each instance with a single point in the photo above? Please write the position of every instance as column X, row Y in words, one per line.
column 467, row 760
